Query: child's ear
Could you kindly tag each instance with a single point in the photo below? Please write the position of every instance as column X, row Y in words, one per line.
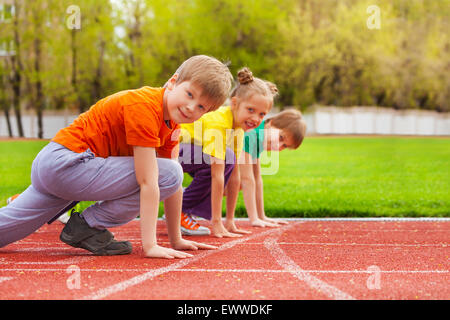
column 234, row 102
column 172, row 81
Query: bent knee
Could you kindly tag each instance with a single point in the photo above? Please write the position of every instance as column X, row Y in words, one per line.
column 177, row 172
column 170, row 174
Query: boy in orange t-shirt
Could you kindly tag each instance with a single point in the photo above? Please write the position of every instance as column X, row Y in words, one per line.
column 121, row 154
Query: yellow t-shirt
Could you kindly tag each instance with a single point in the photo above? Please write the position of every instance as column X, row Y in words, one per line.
column 214, row 132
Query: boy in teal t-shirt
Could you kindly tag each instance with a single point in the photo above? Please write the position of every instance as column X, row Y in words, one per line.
column 254, row 141
column 287, row 130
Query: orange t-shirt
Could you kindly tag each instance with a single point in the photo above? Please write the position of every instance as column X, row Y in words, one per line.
column 120, row 121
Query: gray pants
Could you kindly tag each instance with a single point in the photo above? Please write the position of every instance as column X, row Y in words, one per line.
column 60, row 176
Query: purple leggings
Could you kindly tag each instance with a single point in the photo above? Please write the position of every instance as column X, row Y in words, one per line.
column 197, row 197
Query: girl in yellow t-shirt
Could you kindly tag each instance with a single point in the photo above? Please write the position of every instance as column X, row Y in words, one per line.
column 209, row 149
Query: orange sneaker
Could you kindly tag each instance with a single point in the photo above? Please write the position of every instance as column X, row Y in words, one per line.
column 190, row 227
column 12, row 198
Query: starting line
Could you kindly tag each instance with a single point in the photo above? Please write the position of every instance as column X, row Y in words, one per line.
column 374, row 219
column 357, row 219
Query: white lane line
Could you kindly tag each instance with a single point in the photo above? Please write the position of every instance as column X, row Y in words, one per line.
column 71, row 260
column 418, row 245
column 105, row 292
column 375, row 219
column 14, row 250
column 370, row 219
column 235, row 270
column 309, row 271
column 288, row 264
column 2, row 279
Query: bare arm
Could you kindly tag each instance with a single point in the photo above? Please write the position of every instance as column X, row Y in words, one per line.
column 217, row 188
column 249, row 187
column 252, row 191
column 172, row 208
column 233, row 186
column 146, row 168
column 260, row 198
column 259, row 188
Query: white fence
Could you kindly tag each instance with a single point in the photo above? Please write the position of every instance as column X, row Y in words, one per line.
column 52, row 123
column 320, row 120
column 373, row 120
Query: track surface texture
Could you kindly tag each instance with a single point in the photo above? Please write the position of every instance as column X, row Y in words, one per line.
column 306, row 259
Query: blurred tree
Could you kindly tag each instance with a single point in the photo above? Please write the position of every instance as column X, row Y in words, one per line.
column 4, row 101
column 16, row 63
column 36, row 14
column 89, row 46
column 316, row 52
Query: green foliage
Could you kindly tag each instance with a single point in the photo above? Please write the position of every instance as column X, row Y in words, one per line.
column 316, row 52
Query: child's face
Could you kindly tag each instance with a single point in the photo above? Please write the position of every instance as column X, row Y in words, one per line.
column 277, row 139
column 249, row 113
column 184, row 102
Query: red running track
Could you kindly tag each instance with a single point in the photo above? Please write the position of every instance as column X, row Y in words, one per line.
column 307, row 259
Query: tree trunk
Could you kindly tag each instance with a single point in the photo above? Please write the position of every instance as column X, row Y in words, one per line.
column 75, row 84
column 5, row 103
column 96, row 83
column 16, row 100
column 39, row 95
column 17, row 71
column 8, row 122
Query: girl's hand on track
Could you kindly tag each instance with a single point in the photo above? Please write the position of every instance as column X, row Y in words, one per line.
column 263, row 224
column 278, row 222
column 230, row 226
column 161, row 252
column 219, row 231
column 184, row 244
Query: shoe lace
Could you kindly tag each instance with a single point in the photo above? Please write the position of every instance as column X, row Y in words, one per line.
column 190, row 221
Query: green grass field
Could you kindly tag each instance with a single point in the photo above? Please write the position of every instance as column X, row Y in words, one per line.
column 325, row 177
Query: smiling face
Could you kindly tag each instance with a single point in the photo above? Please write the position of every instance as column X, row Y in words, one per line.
column 184, row 102
column 277, row 139
column 249, row 113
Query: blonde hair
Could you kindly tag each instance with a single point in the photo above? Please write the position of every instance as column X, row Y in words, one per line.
column 248, row 85
column 292, row 121
column 210, row 74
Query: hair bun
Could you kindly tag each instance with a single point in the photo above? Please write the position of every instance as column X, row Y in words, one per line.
column 245, row 76
column 273, row 88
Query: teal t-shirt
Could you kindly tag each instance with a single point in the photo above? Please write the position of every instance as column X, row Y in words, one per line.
column 254, row 140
